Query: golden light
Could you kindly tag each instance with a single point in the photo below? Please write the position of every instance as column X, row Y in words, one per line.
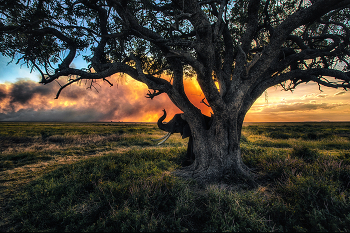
column 125, row 101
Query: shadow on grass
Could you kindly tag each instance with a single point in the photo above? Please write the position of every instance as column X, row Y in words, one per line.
column 20, row 159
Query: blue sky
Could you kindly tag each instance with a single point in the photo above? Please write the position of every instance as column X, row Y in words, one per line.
column 12, row 72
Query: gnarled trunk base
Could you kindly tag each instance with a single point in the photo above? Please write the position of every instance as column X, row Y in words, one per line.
column 217, row 160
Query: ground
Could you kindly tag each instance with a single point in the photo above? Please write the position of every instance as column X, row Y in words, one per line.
column 112, row 176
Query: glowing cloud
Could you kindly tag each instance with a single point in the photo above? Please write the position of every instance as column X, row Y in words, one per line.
column 340, row 93
column 26, row 100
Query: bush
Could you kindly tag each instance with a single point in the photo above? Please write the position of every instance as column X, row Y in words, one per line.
column 278, row 135
column 312, row 136
column 303, row 152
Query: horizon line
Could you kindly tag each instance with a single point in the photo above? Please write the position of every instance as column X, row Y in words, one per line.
column 146, row 122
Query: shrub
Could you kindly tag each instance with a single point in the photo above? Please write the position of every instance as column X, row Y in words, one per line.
column 312, row 136
column 278, row 135
column 305, row 153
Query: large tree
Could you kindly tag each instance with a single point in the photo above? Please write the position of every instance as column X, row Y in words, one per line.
column 235, row 49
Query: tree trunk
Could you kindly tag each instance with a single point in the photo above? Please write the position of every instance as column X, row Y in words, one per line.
column 217, row 153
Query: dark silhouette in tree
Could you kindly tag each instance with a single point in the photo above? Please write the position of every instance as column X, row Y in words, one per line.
column 179, row 125
column 245, row 46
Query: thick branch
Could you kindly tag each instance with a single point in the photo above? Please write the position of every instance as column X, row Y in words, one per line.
column 219, row 21
column 155, row 83
column 314, row 75
column 251, row 29
column 304, row 55
column 177, row 93
column 132, row 23
column 282, row 32
column 141, row 76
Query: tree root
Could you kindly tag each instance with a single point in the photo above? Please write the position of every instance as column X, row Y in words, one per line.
column 204, row 176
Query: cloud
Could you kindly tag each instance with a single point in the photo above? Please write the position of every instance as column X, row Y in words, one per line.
column 2, row 92
column 313, row 95
column 321, row 95
column 24, row 90
column 340, row 93
column 27, row 100
column 301, row 107
column 308, row 96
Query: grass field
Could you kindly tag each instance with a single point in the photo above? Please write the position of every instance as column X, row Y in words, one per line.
column 113, row 177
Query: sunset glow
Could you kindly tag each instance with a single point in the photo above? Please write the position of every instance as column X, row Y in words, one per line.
column 27, row 100
column 22, row 98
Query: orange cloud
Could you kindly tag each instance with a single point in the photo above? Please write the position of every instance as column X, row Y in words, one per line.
column 125, row 101
column 306, row 103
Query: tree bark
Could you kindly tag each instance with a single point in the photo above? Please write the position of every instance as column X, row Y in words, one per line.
column 217, row 153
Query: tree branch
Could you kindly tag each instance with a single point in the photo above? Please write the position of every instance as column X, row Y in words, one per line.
column 303, row 76
column 283, row 30
column 66, row 85
column 177, row 93
column 131, row 22
column 246, row 39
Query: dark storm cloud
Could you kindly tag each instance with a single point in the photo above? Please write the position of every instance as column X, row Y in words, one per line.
column 24, row 90
column 58, row 114
column 73, row 92
column 2, row 93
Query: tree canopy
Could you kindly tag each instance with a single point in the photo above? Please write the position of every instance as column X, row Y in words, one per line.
column 303, row 40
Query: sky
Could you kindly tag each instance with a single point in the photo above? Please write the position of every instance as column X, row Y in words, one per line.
column 22, row 98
